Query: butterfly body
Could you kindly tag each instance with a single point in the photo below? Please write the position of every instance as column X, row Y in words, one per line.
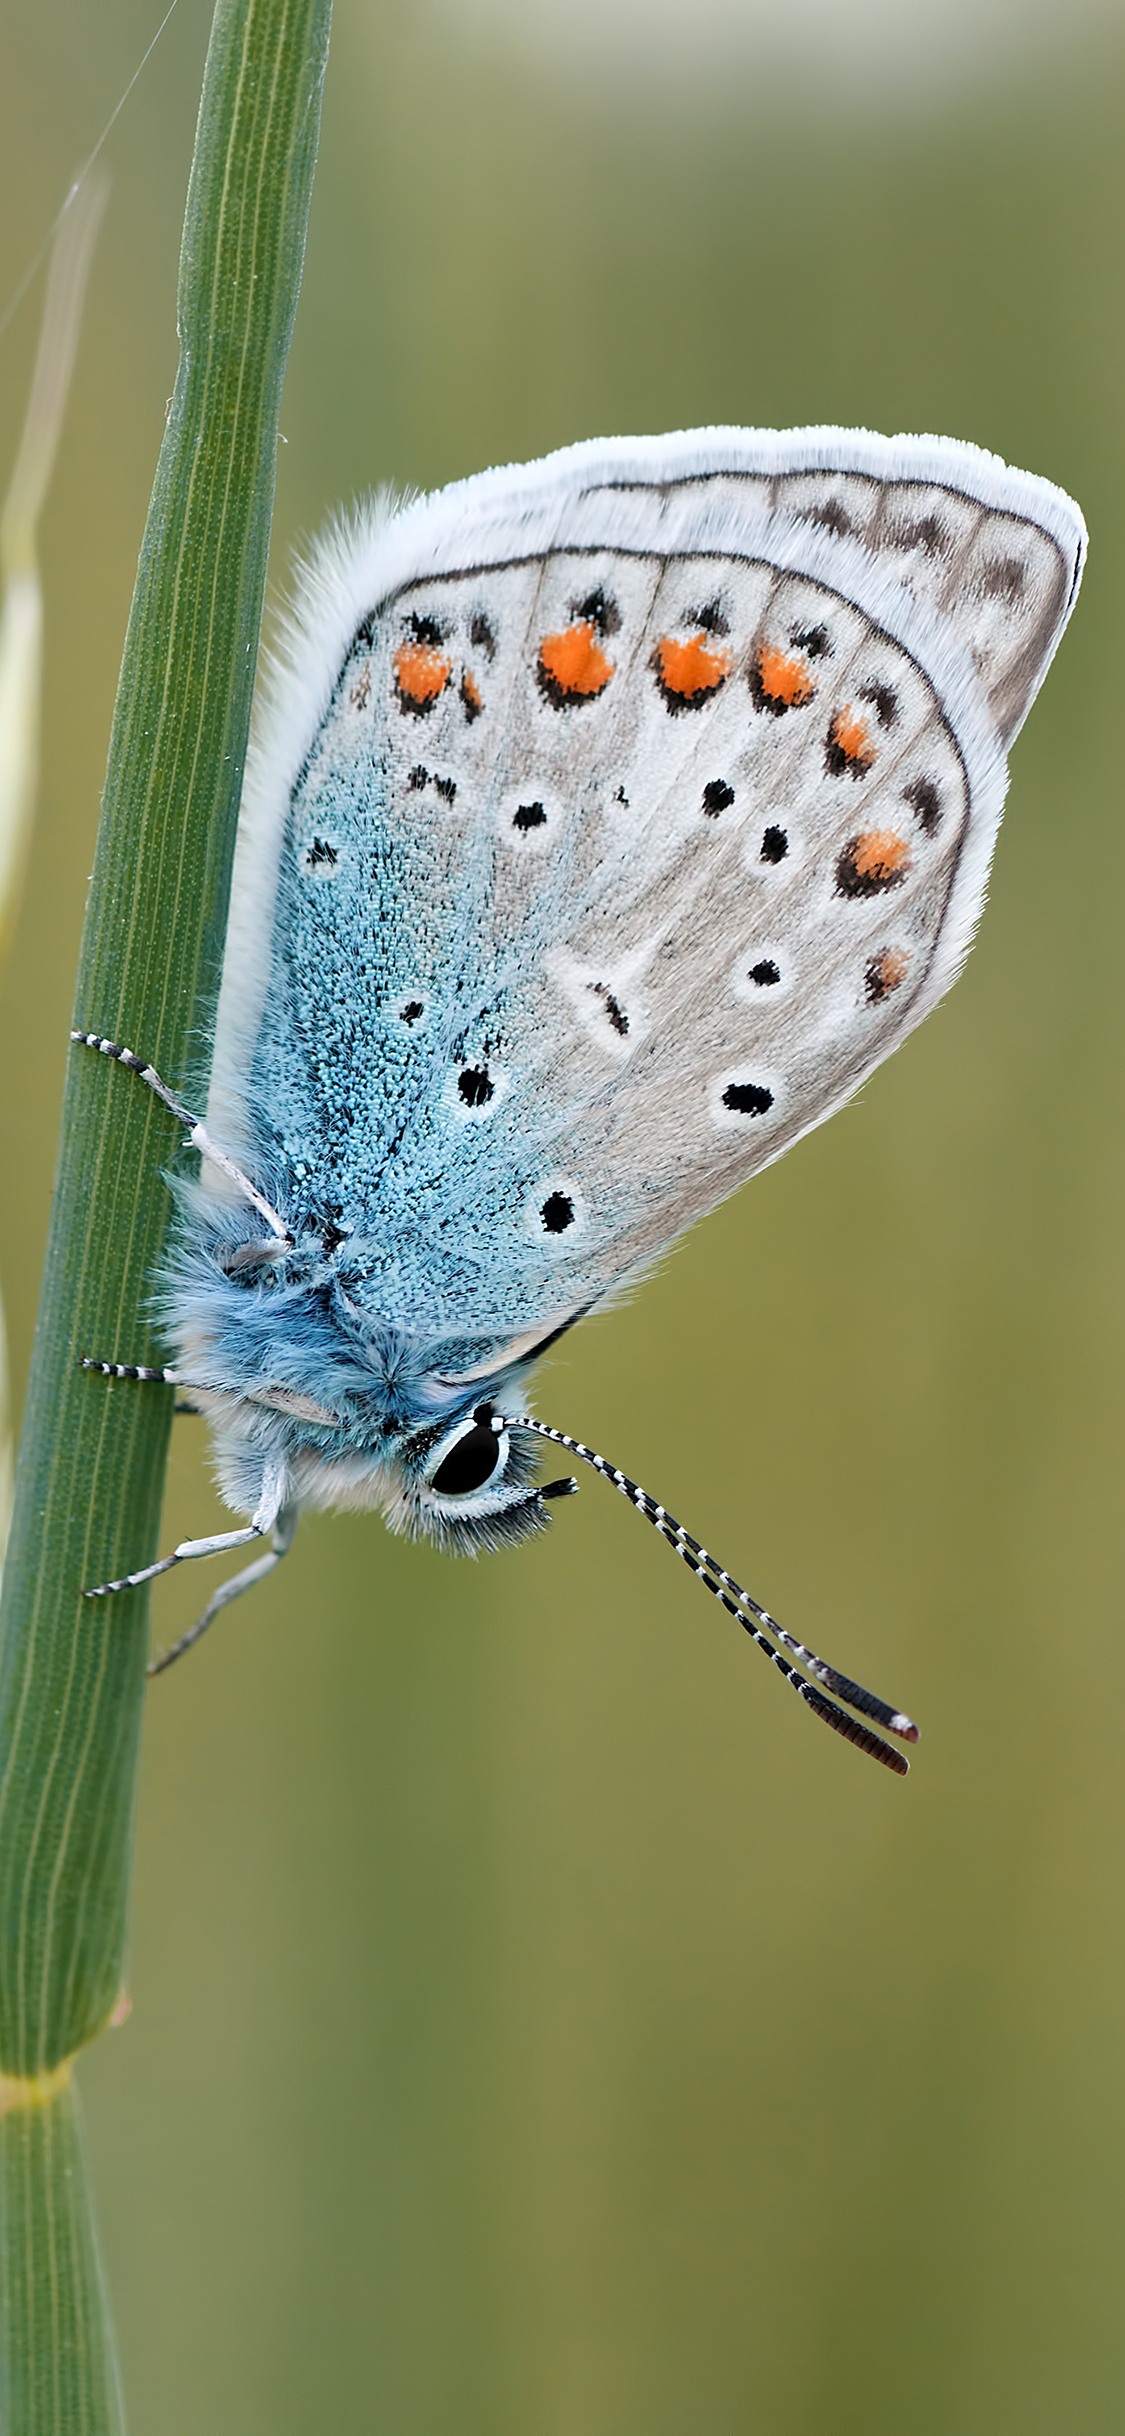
column 609, row 820
column 295, row 1371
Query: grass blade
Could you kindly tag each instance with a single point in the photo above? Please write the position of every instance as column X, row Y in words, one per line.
column 91, row 1460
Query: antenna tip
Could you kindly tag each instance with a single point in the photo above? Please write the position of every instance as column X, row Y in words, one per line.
column 904, row 1727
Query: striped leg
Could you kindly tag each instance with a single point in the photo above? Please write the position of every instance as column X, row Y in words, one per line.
column 133, row 1370
column 272, row 1399
column 263, row 1519
column 197, row 1130
column 139, row 1370
column 284, row 1531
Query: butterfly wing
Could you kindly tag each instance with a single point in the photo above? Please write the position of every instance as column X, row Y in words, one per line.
column 619, row 815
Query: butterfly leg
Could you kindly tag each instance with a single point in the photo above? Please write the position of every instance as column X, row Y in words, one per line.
column 273, row 1399
column 265, row 1515
column 140, row 1370
column 132, row 1370
column 283, row 1534
column 197, row 1130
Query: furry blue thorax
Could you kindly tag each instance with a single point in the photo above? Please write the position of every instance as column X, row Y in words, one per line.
column 308, row 1322
column 299, row 1372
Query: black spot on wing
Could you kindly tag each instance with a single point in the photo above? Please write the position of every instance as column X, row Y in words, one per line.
column 813, row 642
column 884, row 702
column 476, row 1086
column 831, row 514
column 615, row 1011
column 925, row 533
column 598, row 610
column 717, row 797
column 1004, row 579
column 710, row 618
column 923, row 797
column 557, row 1213
column 747, row 1099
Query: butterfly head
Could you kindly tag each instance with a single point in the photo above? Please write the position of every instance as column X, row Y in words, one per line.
column 467, row 1483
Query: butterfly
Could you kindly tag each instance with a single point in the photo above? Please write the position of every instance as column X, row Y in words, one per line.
column 607, row 821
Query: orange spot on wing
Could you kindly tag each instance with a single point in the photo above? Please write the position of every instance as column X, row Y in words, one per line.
column 849, row 743
column 876, row 859
column 572, row 665
column 688, row 672
column 884, row 973
column 779, row 681
column 421, row 674
column 470, row 695
column 879, row 852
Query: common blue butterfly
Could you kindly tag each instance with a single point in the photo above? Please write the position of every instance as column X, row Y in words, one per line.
column 608, row 820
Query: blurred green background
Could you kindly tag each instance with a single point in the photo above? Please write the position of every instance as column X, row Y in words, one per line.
column 542, row 2028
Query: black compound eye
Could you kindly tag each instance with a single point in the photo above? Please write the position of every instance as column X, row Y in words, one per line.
column 469, row 1463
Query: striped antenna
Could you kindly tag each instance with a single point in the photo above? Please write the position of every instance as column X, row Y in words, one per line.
column 756, row 1620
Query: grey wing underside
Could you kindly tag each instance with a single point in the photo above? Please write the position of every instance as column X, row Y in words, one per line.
column 614, row 869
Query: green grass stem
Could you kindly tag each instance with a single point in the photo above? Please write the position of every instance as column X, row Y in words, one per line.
column 58, row 2367
column 91, row 1460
